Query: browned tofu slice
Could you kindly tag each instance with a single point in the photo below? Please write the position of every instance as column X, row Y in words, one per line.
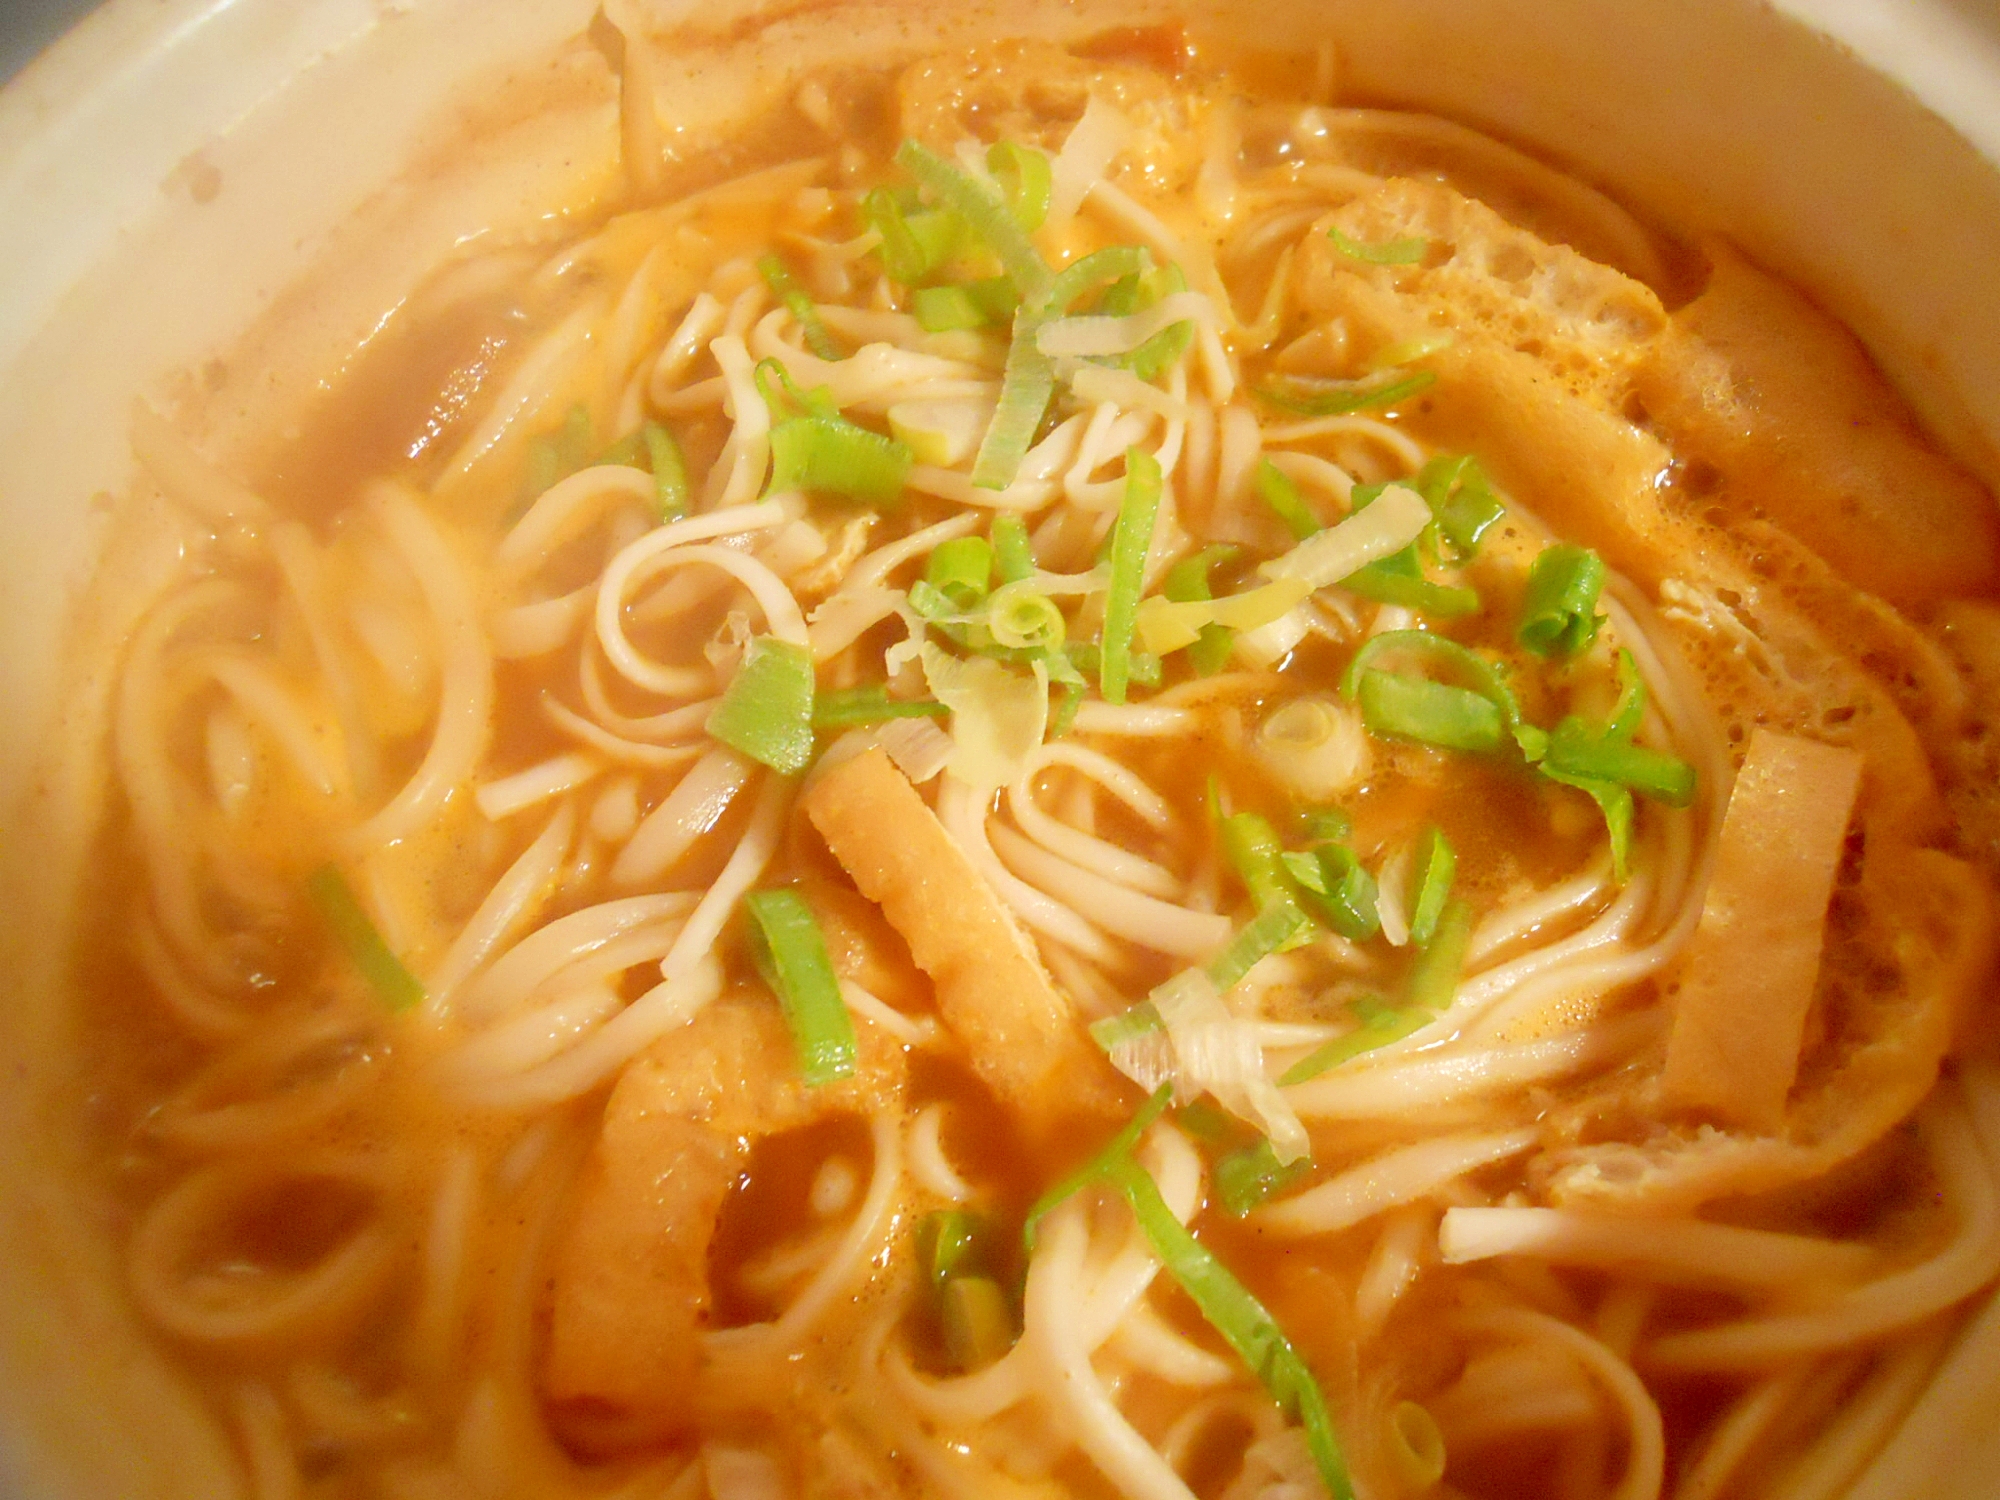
column 1752, row 966
column 1022, row 1034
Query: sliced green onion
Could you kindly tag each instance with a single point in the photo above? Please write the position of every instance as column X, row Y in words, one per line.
column 1324, row 825
column 1212, row 649
column 626, row 452
column 380, row 967
column 1433, row 977
column 1087, row 657
column 1025, row 176
column 843, row 708
column 1399, row 579
column 1063, row 718
column 670, row 475
column 1115, row 1149
column 949, row 1243
column 1559, row 611
column 1417, row 1445
column 1165, row 348
column 790, row 955
column 1114, row 1031
column 831, row 455
column 1205, row 1122
column 976, row 1320
column 1013, row 553
column 1615, row 803
column 1435, row 867
column 1113, row 264
column 986, row 212
column 1187, row 583
column 961, row 569
column 1027, row 384
column 767, row 710
column 914, row 243
column 1279, row 922
column 1251, row 846
column 1630, row 709
column 1131, row 540
column 1339, row 889
column 1404, row 252
column 785, row 287
column 1307, row 397
column 1244, row 1179
column 1415, row 708
column 1275, row 488
column 1021, row 617
column 1485, row 678
column 941, row 309
column 1239, row 1317
column 1576, row 750
column 1379, row 1025
column 1458, row 492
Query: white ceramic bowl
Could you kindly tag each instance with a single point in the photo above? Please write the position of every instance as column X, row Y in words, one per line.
column 172, row 170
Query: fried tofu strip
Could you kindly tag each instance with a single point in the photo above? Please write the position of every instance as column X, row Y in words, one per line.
column 1023, row 1037
column 629, row 1279
column 1751, row 968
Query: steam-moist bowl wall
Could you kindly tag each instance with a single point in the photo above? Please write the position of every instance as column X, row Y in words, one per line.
column 1827, row 194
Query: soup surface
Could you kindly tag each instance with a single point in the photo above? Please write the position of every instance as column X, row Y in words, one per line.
column 1088, row 775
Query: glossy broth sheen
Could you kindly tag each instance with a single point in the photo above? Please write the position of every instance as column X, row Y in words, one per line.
column 574, row 1225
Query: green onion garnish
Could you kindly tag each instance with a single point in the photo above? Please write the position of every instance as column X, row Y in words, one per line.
column 1187, row 582
column 1244, row 1179
column 1119, row 1146
column 950, row 1243
column 1630, row 709
column 670, row 475
column 1013, row 554
column 1470, row 667
column 826, row 453
column 1435, row 866
column 1025, row 176
column 790, row 955
column 1022, row 618
column 1576, row 750
column 1399, row 579
column 1308, row 397
column 1458, row 493
column 1244, row 1322
column 1339, row 889
column 1278, row 922
column 976, row 1320
column 1131, row 540
column 961, row 569
column 1113, row 264
column 968, row 304
column 1615, row 803
column 1163, row 349
column 986, row 213
column 1434, row 976
column 1251, row 846
column 1405, row 252
column 1275, row 488
column 843, row 708
column 767, row 710
column 785, row 287
column 914, row 242
column 1323, row 825
column 1415, row 708
column 1559, row 612
column 1379, row 1025
column 1027, row 384
column 342, row 913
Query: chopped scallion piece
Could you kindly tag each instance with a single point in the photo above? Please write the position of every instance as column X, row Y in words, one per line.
column 1339, row 889
column 1131, row 540
column 843, row 708
column 1026, row 177
column 1244, row 1323
column 1415, row 708
column 1402, row 252
column 1435, row 866
column 914, row 243
column 1278, row 922
column 1027, row 384
column 1559, row 611
column 1324, row 825
column 1484, row 677
column 1576, row 750
column 1332, row 398
column 1115, row 1030
column 1115, row 1149
column 1063, row 718
column 941, row 309
column 961, row 569
column 986, row 212
column 1615, row 803
column 1251, row 846
column 1112, row 264
column 790, row 954
column 342, row 913
column 1276, row 489
column 949, row 1243
column 829, row 454
column 1399, row 579
column 977, row 1323
column 1630, row 709
column 1187, row 583
column 1244, row 1179
column 1022, row 618
column 1434, row 976
column 767, row 710
column 1013, row 554
column 1458, row 492
column 785, row 287
column 670, row 475
column 1379, row 1025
